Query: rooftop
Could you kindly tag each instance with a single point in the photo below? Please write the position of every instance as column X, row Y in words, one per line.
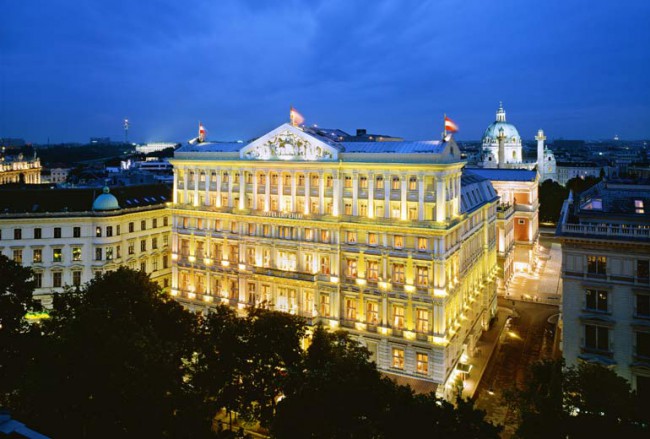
column 497, row 174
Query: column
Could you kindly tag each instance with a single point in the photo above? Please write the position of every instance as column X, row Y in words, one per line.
column 186, row 178
column 231, row 178
column 403, row 204
column 420, row 197
column 175, row 193
column 242, row 188
column 307, row 196
column 321, row 192
column 371, row 195
column 207, row 187
column 440, row 198
column 294, row 176
column 196, row 187
column 219, row 188
column 387, row 189
column 355, row 193
column 280, row 192
column 267, row 192
column 255, row 207
column 336, row 195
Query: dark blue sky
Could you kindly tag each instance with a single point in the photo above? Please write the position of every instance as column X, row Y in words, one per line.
column 75, row 69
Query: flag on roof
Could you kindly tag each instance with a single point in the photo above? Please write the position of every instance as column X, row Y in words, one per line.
column 296, row 118
column 201, row 132
column 450, row 125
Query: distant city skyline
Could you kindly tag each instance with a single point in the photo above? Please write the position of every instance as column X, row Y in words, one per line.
column 72, row 71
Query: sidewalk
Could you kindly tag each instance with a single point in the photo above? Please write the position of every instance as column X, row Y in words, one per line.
column 485, row 348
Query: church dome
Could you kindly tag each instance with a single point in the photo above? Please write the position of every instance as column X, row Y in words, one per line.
column 509, row 130
column 106, row 201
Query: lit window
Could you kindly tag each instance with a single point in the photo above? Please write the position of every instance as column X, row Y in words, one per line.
column 398, row 316
column 423, row 244
column 373, row 270
column 363, row 182
column 596, row 300
column 325, row 264
column 348, row 208
column 325, row 305
column 638, row 205
column 380, row 183
column 395, row 183
column 372, row 313
column 398, row 273
column 398, row 241
column 422, row 320
column 352, row 237
column 57, row 255
column 413, row 183
column 398, row 358
column 597, row 265
column 348, row 181
column 38, row 256
column 372, row 239
column 422, row 363
column 350, row 309
column 422, row 278
column 351, row 265
column 18, row 256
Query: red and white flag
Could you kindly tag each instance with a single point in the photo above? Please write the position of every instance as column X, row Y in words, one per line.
column 201, row 132
column 296, row 118
column 450, row 125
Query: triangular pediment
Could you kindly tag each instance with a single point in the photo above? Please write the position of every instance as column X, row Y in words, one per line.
column 289, row 143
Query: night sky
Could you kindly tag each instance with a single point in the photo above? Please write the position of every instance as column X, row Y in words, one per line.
column 74, row 69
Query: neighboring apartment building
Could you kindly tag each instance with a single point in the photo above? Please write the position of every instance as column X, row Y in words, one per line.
column 605, row 233
column 519, row 192
column 69, row 235
column 18, row 169
column 388, row 240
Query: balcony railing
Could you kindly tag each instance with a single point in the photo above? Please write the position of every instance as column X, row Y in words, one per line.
column 605, row 231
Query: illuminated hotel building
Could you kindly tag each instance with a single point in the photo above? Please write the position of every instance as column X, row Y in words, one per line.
column 389, row 240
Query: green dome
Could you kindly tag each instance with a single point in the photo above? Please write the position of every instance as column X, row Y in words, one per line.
column 509, row 131
column 106, row 201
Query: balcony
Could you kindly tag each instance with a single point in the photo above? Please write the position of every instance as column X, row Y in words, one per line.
column 606, row 231
column 505, row 210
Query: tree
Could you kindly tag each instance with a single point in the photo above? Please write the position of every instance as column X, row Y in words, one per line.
column 551, row 198
column 587, row 400
column 16, row 296
column 112, row 363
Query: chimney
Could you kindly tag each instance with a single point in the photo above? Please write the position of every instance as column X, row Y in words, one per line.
column 361, row 132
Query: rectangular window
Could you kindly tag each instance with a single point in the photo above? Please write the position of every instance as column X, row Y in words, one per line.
column 413, row 183
column 351, row 237
column 38, row 256
column 596, row 300
column 597, row 265
column 380, row 183
column 372, row 239
column 329, row 181
column 251, row 229
column 57, row 279
column 422, row 363
column 98, row 232
column 76, row 254
column 373, row 270
column 250, row 256
column 372, row 313
column 643, row 305
column 18, row 233
column 363, row 209
column 165, row 222
column 154, row 243
column 131, row 249
column 154, row 223
column 325, row 305
column 398, row 241
column 398, row 316
column 266, row 258
column 165, row 261
column 325, row 264
column 76, row 278
column 643, row 344
column 643, row 270
column 398, row 273
column 348, row 181
column 38, row 280
column 109, row 231
column 395, row 183
column 350, row 309
column 109, row 253
column 37, row 233
column 131, row 227
column 422, row 320
column 325, row 236
column 57, row 255
column 117, row 230
column 143, row 267
column 596, row 337
column 423, row 244
column 351, row 267
column 143, row 225
column 398, row 358
column 348, row 209
column 143, row 245
column 98, row 254
column 309, row 234
column 18, row 256
column 76, row 232
column 422, row 279
column 118, row 252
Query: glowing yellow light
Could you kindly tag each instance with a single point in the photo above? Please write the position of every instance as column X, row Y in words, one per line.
column 409, row 335
column 334, row 279
column 191, row 258
column 242, row 266
column 384, row 285
column 439, row 292
column 334, row 323
column 225, row 263
column 241, row 305
column 361, row 281
column 207, row 261
column 409, row 288
column 224, row 300
column 191, row 295
column 384, row 330
column 440, row 340
column 207, row 298
column 33, row 316
column 359, row 326
column 174, row 256
column 174, row 292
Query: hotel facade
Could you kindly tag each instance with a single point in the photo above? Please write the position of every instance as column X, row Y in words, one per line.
column 388, row 240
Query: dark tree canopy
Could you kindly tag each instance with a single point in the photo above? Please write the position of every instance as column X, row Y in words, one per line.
column 551, row 197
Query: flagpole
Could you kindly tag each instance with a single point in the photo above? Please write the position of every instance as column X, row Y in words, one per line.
column 444, row 123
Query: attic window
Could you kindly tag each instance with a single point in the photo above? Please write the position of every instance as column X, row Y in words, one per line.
column 593, row 204
column 638, row 206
